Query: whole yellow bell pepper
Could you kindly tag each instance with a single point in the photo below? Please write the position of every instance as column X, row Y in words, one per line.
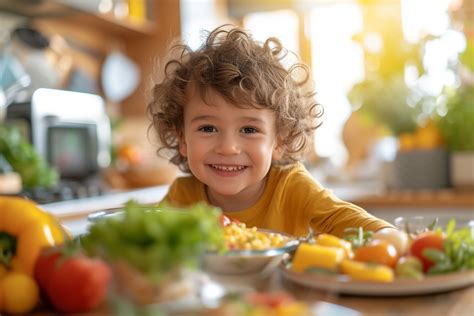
column 24, row 230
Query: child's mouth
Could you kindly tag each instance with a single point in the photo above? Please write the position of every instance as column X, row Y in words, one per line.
column 228, row 169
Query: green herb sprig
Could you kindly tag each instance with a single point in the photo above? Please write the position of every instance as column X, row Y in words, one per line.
column 458, row 250
column 357, row 236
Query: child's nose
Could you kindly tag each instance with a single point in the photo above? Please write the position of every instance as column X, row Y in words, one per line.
column 228, row 144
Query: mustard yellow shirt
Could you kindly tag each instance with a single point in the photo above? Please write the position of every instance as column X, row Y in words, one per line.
column 292, row 201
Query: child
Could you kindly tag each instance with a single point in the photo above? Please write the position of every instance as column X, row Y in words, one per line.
column 235, row 119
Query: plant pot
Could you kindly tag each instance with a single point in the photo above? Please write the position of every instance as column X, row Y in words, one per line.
column 422, row 169
column 462, row 169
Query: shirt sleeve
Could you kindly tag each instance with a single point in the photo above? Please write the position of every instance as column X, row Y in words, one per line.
column 333, row 216
column 328, row 214
column 168, row 198
column 184, row 192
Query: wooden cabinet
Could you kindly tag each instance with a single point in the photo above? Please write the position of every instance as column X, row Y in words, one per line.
column 90, row 36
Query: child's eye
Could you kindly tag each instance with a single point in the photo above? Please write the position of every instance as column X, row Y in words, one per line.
column 207, row 129
column 249, row 130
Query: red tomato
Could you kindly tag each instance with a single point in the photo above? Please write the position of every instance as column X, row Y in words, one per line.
column 424, row 241
column 225, row 220
column 72, row 284
column 45, row 266
column 377, row 251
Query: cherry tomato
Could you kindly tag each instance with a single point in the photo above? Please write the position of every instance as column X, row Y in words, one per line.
column 225, row 220
column 377, row 251
column 424, row 241
column 271, row 300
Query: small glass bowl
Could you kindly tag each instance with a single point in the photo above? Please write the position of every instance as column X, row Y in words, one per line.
column 418, row 223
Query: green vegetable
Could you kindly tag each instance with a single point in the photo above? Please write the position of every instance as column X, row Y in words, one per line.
column 23, row 158
column 458, row 251
column 409, row 267
column 357, row 237
column 156, row 240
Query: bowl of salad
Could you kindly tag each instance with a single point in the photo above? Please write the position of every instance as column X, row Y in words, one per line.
column 249, row 250
column 153, row 252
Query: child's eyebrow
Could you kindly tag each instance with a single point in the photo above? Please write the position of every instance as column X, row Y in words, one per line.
column 202, row 118
column 249, row 119
column 252, row 119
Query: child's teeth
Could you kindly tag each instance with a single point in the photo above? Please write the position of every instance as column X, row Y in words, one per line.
column 228, row 168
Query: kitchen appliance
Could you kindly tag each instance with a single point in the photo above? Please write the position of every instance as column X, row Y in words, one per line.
column 70, row 129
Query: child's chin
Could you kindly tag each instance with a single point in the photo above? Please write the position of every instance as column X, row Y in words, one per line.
column 222, row 190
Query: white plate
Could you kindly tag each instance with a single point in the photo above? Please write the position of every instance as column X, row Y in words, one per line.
column 402, row 287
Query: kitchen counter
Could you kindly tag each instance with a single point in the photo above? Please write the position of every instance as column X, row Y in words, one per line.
column 73, row 213
column 423, row 198
column 445, row 203
column 368, row 194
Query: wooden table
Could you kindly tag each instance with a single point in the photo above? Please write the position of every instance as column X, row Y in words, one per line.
column 453, row 303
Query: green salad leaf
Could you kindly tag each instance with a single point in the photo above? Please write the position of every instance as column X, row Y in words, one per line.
column 155, row 240
column 458, row 250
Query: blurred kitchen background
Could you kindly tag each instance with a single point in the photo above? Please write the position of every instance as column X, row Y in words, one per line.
column 395, row 78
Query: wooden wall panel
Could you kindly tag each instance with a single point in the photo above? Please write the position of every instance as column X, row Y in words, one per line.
column 145, row 51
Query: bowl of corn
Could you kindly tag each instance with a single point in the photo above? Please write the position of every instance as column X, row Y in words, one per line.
column 249, row 251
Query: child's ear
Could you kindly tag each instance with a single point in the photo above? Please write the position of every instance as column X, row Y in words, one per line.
column 277, row 153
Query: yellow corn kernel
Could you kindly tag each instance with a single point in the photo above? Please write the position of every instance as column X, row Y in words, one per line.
column 292, row 309
column 333, row 241
column 367, row 272
column 241, row 237
column 308, row 256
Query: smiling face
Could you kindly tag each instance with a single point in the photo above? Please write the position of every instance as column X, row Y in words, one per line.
column 229, row 149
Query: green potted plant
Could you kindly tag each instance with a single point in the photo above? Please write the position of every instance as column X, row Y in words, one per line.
column 457, row 129
column 385, row 97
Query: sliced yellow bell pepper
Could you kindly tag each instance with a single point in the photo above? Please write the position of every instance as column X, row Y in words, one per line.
column 367, row 271
column 333, row 241
column 316, row 256
column 24, row 230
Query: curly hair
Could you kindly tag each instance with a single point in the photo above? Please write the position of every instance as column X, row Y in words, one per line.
column 246, row 73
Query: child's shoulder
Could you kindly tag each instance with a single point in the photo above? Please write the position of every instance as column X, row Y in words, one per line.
column 293, row 180
column 185, row 180
column 293, row 169
column 185, row 183
column 185, row 190
column 295, row 172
